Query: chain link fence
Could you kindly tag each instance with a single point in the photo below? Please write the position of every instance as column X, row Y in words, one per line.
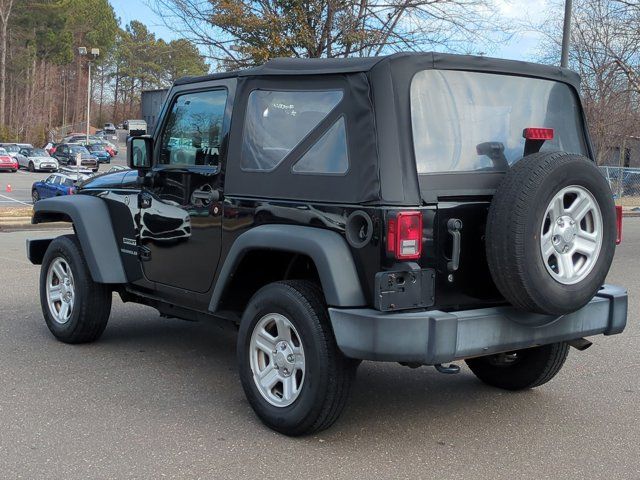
column 624, row 183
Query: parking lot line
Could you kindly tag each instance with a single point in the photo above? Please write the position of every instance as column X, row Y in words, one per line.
column 14, row 200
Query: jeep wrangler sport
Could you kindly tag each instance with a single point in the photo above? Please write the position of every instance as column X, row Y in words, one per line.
column 416, row 208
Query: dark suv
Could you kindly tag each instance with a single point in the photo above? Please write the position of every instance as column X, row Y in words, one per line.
column 416, row 208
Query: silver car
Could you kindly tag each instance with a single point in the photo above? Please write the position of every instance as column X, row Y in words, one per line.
column 37, row 159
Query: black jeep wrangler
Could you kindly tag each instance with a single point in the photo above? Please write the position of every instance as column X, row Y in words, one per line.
column 415, row 208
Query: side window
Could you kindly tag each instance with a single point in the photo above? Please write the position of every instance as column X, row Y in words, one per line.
column 193, row 132
column 277, row 121
column 50, row 179
column 328, row 155
column 56, row 180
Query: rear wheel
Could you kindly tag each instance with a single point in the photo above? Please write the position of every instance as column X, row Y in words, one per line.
column 294, row 376
column 75, row 308
column 521, row 369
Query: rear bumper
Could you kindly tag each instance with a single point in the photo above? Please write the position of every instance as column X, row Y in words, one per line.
column 434, row 337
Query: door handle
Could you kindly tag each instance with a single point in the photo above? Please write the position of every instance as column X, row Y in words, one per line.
column 454, row 225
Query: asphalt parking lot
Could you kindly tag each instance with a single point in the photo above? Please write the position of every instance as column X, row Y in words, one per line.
column 22, row 180
column 160, row 398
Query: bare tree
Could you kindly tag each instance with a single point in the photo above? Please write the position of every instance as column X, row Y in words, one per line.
column 605, row 51
column 242, row 33
column 5, row 13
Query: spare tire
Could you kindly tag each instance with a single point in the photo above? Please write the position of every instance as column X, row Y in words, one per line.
column 551, row 233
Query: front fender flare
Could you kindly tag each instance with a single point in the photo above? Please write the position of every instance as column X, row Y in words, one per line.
column 328, row 250
column 92, row 223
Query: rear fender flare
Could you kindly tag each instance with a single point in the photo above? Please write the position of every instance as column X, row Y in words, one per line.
column 328, row 250
column 92, row 224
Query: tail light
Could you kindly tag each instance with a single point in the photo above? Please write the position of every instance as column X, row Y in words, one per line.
column 71, row 191
column 618, row 224
column 404, row 235
column 538, row 133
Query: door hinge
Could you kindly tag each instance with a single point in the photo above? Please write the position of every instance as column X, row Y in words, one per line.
column 144, row 253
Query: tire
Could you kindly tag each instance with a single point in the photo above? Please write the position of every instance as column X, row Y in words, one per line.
column 35, row 196
column 32, row 167
column 14, row 170
column 520, row 218
column 91, row 301
column 327, row 375
column 522, row 369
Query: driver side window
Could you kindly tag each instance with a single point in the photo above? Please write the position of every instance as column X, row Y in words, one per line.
column 193, row 132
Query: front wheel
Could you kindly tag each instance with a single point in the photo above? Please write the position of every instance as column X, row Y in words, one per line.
column 75, row 308
column 293, row 374
column 521, row 369
column 35, row 196
column 32, row 167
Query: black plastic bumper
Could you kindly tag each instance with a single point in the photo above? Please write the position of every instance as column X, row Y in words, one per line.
column 434, row 337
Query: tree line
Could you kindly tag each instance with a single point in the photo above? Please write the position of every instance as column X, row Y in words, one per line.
column 605, row 42
column 43, row 78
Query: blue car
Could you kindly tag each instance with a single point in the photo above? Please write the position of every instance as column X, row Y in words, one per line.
column 55, row 185
column 98, row 151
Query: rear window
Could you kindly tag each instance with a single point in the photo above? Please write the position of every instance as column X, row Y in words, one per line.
column 469, row 121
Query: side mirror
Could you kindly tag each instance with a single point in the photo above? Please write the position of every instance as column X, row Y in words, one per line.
column 139, row 152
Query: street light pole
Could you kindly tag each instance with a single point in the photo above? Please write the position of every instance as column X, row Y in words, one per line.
column 566, row 34
column 88, row 101
column 94, row 53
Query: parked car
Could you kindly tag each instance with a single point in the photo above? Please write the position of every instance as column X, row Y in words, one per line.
column 7, row 162
column 37, row 159
column 66, row 154
column 98, row 150
column 109, row 132
column 12, row 149
column 428, row 208
column 55, row 185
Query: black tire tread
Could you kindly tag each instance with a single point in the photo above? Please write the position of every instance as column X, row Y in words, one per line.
column 95, row 304
column 341, row 369
column 506, row 226
column 543, row 363
column 340, row 382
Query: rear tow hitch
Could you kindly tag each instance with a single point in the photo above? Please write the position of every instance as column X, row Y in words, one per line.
column 448, row 369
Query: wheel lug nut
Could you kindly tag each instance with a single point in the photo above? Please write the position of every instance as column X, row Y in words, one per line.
column 283, row 347
column 285, row 371
column 290, row 358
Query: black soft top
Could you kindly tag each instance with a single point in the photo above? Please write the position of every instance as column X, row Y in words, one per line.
column 377, row 110
column 400, row 63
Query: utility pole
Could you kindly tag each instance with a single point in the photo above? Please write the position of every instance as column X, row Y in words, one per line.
column 566, row 34
column 94, row 53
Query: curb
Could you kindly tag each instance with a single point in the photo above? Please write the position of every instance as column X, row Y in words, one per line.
column 14, row 224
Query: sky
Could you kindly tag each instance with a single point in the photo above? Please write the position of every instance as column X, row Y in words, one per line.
column 523, row 46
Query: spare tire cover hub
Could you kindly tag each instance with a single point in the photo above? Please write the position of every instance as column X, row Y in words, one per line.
column 571, row 234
